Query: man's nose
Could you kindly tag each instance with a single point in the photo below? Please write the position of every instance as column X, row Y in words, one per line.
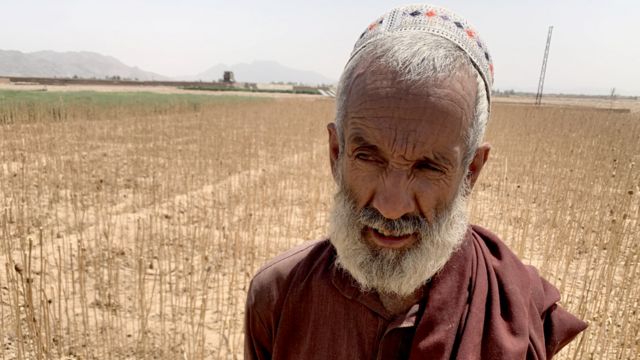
column 393, row 197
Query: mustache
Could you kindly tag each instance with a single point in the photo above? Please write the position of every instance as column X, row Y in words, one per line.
column 405, row 225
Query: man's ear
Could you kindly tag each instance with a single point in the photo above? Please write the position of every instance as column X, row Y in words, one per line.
column 334, row 148
column 481, row 157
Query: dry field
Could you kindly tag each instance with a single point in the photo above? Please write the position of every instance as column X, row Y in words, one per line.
column 603, row 103
column 137, row 89
column 130, row 224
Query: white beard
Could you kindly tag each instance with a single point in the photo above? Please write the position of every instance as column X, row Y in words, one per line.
column 396, row 271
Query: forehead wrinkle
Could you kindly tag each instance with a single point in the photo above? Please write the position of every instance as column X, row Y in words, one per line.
column 359, row 140
column 387, row 123
column 370, row 107
column 414, row 150
column 371, row 100
column 358, row 137
column 374, row 85
column 460, row 121
column 429, row 113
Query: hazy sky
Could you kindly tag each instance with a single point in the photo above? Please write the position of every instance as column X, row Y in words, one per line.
column 595, row 46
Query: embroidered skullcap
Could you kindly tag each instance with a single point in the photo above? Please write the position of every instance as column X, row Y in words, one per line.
column 434, row 20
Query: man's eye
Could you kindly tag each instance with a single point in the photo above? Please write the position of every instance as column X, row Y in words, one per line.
column 365, row 157
column 427, row 166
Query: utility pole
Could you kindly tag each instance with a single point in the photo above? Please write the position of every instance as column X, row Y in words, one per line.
column 613, row 97
column 544, row 68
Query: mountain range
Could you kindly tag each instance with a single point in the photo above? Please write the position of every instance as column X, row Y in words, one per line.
column 81, row 64
column 84, row 64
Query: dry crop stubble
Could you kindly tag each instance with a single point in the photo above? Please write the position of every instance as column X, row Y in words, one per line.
column 151, row 225
column 131, row 230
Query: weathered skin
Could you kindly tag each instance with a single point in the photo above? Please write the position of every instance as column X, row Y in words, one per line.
column 404, row 146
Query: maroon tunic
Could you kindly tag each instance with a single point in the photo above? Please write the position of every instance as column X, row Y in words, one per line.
column 484, row 304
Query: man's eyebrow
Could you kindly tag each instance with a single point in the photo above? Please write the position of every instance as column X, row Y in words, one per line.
column 360, row 141
column 442, row 159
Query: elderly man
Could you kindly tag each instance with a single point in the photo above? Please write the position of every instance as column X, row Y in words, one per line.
column 403, row 274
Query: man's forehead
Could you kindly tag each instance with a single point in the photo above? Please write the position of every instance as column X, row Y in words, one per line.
column 380, row 94
column 387, row 133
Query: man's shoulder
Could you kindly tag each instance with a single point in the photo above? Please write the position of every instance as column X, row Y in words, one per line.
column 522, row 287
column 507, row 262
column 496, row 246
column 270, row 287
column 281, row 266
column 274, row 278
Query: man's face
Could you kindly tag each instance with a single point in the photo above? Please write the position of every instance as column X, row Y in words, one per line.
column 402, row 182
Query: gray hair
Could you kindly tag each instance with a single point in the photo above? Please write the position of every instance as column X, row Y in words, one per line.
column 418, row 57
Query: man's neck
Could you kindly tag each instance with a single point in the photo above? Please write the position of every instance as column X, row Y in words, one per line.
column 396, row 304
